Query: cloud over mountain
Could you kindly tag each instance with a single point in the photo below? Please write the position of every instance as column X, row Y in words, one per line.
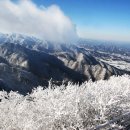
column 25, row 17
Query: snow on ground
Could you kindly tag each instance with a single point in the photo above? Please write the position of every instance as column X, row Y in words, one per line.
column 118, row 64
column 70, row 107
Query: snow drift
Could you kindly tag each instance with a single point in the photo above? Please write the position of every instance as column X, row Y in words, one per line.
column 70, row 107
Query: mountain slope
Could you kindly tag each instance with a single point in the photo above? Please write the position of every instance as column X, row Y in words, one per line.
column 81, row 61
column 44, row 66
column 41, row 61
column 16, row 79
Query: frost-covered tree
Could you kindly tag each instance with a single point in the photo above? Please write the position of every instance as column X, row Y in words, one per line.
column 70, row 107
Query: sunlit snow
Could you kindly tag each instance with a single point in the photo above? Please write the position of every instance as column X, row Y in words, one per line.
column 70, row 107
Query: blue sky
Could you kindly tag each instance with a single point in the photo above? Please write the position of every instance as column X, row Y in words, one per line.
column 97, row 19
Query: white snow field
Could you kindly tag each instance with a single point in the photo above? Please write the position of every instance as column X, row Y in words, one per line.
column 70, row 107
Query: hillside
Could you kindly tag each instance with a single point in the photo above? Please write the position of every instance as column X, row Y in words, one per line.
column 30, row 62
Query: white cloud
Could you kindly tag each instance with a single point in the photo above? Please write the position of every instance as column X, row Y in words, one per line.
column 27, row 18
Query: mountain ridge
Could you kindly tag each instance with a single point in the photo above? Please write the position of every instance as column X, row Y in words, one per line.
column 43, row 61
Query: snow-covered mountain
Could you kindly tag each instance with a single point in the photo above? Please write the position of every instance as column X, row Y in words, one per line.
column 29, row 61
column 114, row 53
